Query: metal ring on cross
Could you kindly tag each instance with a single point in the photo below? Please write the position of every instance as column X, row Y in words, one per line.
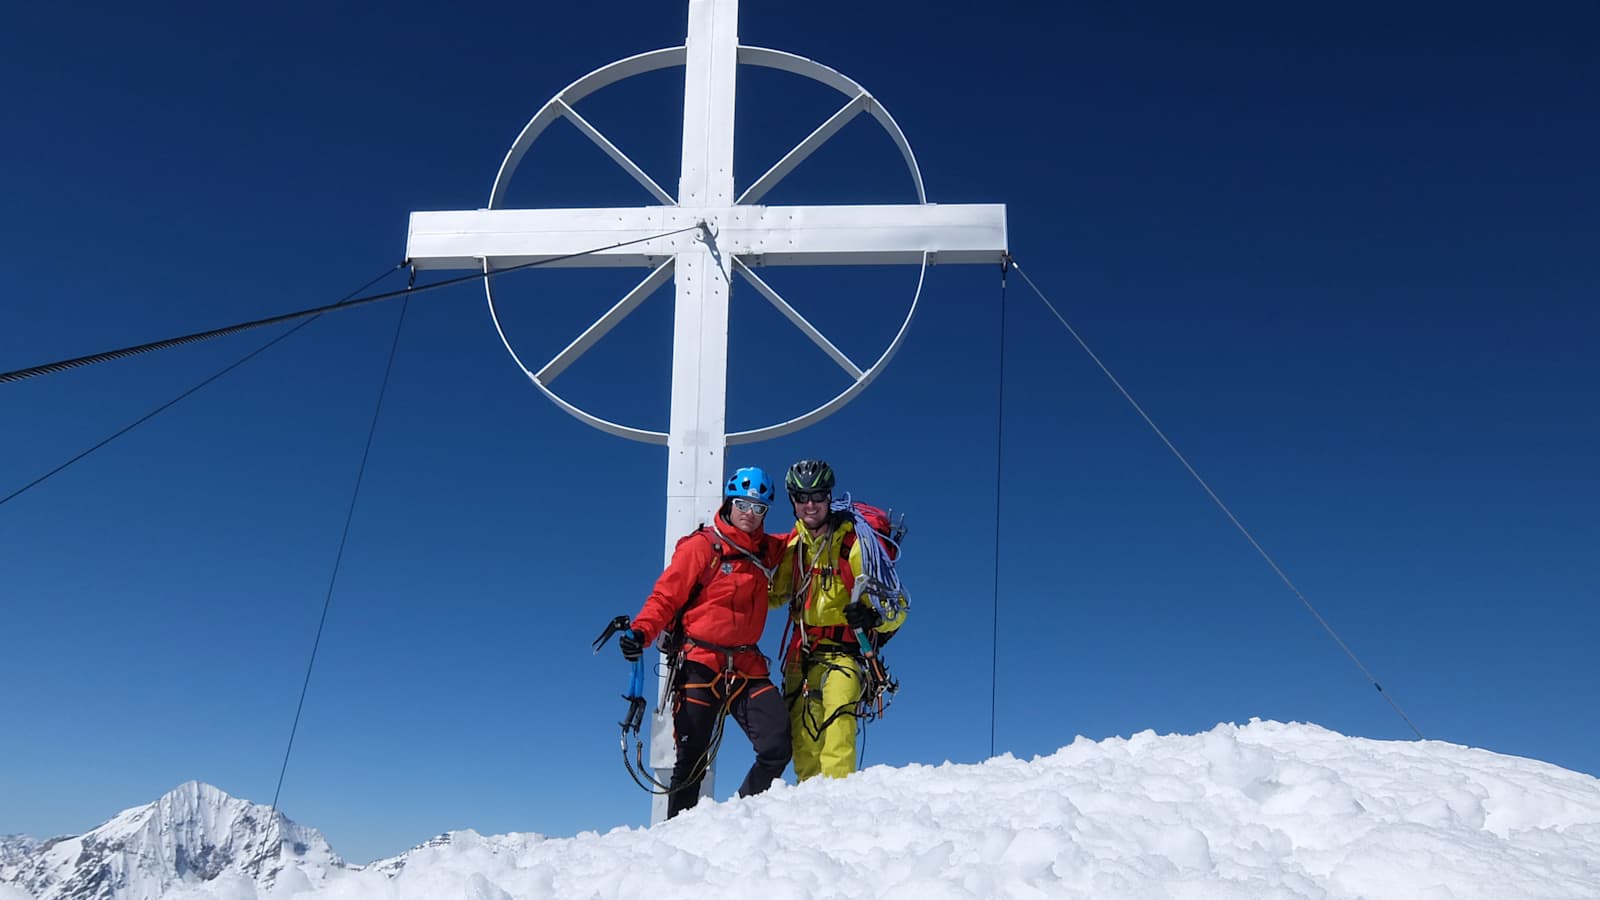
column 561, row 106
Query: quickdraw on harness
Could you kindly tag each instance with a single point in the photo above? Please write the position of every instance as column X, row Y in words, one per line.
column 879, row 538
column 672, row 644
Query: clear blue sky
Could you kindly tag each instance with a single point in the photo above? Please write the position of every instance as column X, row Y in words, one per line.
column 1345, row 255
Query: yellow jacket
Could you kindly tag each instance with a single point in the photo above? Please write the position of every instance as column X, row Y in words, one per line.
column 813, row 583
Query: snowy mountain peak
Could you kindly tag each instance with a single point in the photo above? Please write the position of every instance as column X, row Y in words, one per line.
column 192, row 834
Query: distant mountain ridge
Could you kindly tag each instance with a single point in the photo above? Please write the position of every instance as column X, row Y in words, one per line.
column 195, row 833
column 14, row 847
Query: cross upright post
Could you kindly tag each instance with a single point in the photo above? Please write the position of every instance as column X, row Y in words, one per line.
column 697, row 424
column 734, row 234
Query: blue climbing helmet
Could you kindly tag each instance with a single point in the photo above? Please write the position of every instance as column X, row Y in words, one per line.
column 751, row 483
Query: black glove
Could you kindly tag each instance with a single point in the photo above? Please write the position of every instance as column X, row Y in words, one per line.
column 632, row 644
column 862, row 617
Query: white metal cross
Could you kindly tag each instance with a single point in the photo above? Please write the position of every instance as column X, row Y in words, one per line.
column 736, row 235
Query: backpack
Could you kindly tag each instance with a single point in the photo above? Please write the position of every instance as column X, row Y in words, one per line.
column 889, row 533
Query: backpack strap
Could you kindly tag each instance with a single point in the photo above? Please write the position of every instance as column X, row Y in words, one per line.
column 725, row 551
column 719, row 554
column 846, row 544
column 671, row 637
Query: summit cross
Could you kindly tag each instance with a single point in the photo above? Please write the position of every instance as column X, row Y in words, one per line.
column 727, row 232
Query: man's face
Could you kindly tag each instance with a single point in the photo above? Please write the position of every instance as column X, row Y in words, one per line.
column 811, row 507
column 747, row 515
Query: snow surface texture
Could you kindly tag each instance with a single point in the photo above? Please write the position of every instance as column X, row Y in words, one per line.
column 1266, row 810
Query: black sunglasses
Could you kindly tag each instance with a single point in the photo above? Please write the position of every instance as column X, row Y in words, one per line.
column 799, row 497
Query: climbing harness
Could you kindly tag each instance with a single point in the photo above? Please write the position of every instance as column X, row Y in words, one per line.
column 878, row 687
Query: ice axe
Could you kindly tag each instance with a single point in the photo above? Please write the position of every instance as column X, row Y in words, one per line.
column 635, row 694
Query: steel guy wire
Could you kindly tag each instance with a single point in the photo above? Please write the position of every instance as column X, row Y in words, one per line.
column 999, row 450
column 1218, row 501
column 175, row 400
column 409, row 290
column 344, row 538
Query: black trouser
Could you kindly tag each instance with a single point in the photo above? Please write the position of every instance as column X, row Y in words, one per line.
column 703, row 698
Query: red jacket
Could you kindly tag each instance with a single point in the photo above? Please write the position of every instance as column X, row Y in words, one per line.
column 731, row 609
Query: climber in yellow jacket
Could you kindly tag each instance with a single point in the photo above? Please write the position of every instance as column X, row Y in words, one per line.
column 824, row 668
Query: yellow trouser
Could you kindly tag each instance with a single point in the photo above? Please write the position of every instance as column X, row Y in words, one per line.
column 832, row 682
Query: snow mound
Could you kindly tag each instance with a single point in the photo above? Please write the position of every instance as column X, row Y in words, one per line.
column 1264, row 810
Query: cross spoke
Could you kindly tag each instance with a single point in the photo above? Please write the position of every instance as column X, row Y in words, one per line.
column 858, row 104
column 793, row 315
column 553, row 369
column 616, row 154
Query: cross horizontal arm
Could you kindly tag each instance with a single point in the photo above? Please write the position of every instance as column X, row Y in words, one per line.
column 464, row 239
column 760, row 235
column 866, row 235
